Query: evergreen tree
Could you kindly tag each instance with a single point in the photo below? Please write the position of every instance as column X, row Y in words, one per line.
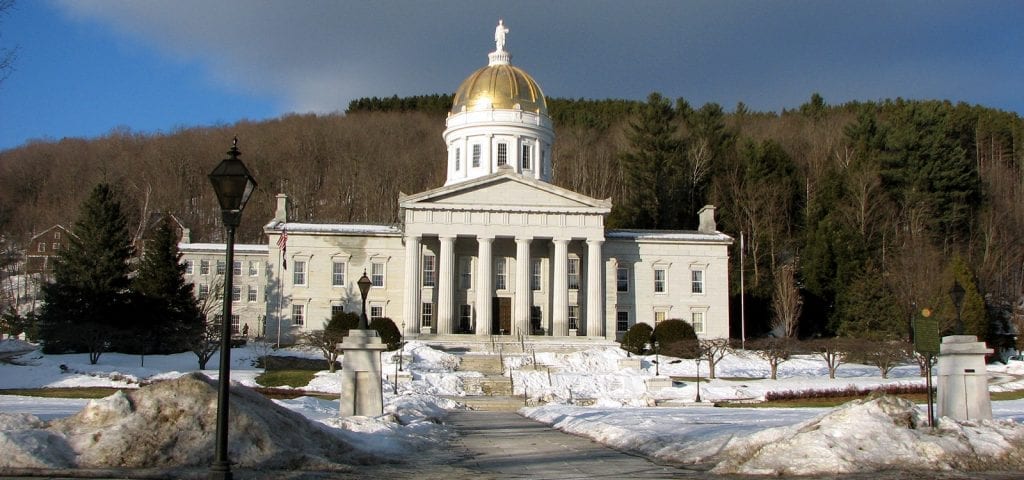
column 972, row 311
column 653, row 169
column 168, row 315
column 867, row 309
column 86, row 306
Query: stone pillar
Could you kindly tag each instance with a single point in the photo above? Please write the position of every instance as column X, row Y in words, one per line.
column 412, row 285
column 595, row 289
column 361, row 392
column 483, row 285
column 523, row 292
column 560, row 289
column 963, row 379
column 445, row 279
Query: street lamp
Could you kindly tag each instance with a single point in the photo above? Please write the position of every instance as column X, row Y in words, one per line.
column 233, row 185
column 957, row 292
column 698, row 380
column 401, row 345
column 657, row 362
column 364, row 288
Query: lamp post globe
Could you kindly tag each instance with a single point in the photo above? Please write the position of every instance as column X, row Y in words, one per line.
column 364, row 288
column 233, row 185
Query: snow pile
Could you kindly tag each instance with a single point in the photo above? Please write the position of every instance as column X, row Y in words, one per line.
column 871, row 435
column 15, row 345
column 173, row 424
column 882, row 433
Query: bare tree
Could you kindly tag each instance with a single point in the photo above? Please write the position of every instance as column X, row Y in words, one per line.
column 834, row 352
column 786, row 302
column 7, row 55
column 713, row 350
column 775, row 351
column 884, row 355
column 207, row 340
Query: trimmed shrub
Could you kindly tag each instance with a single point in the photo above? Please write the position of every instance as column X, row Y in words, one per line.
column 636, row 338
column 388, row 332
column 672, row 331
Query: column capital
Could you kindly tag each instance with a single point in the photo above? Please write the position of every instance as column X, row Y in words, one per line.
column 485, row 238
column 445, row 237
column 597, row 241
column 563, row 240
column 521, row 239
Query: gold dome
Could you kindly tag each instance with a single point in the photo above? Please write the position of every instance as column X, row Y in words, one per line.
column 500, row 86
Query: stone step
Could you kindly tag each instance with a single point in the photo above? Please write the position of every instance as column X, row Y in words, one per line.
column 510, row 344
column 504, row 403
column 485, row 364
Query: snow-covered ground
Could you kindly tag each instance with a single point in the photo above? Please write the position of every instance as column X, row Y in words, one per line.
column 740, row 440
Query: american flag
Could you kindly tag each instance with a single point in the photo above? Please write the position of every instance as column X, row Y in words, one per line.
column 282, row 243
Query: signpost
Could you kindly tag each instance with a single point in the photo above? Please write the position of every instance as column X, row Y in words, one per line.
column 926, row 342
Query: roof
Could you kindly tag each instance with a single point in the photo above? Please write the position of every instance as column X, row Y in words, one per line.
column 220, row 247
column 333, row 228
column 669, row 236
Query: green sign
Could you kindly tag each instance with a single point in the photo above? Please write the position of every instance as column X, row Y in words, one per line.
column 926, row 333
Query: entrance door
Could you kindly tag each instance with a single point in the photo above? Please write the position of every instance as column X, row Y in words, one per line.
column 501, row 316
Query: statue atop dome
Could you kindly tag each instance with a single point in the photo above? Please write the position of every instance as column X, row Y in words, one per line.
column 499, row 36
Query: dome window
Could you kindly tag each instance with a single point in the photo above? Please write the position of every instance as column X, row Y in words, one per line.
column 502, row 154
column 526, row 157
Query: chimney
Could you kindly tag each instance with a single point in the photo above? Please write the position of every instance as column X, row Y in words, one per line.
column 186, row 235
column 281, row 215
column 707, row 220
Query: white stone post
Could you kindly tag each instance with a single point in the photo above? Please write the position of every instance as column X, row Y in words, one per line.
column 445, row 278
column 523, row 291
column 483, row 286
column 560, row 290
column 412, row 284
column 361, row 390
column 595, row 289
column 963, row 379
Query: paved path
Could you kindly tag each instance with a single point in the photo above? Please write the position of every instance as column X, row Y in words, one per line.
column 506, row 445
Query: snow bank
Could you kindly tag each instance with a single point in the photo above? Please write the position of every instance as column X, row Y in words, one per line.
column 173, row 424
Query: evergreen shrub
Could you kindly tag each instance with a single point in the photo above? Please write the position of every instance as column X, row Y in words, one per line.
column 636, row 338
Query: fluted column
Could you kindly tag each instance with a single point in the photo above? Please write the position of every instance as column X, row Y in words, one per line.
column 445, row 278
column 412, row 284
column 595, row 289
column 560, row 289
column 523, row 293
column 483, row 286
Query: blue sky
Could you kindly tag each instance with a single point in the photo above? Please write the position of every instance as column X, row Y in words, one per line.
column 85, row 67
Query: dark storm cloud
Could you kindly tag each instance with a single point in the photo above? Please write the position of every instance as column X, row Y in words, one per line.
column 318, row 55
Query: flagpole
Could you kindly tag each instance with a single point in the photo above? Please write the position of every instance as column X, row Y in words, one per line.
column 282, row 243
column 743, row 307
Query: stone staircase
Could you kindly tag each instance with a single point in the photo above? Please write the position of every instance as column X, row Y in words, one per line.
column 492, row 391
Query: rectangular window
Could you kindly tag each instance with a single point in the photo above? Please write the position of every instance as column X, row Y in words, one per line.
column 221, row 267
column 429, row 271
column 41, row 248
column 236, row 267
column 535, row 275
column 535, row 320
column 299, row 272
column 500, row 274
column 204, row 291
column 298, row 314
column 502, row 154
column 55, row 247
column 574, row 274
column 254, row 268
column 377, row 274
column 252, row 293
column 376, row 311
column 427, row 316
column 574, row 316
column 697, row 320
column 621, row 321
column 236, row 322
column 476, row 155
column 338, row 274
column 236, row 293
column 457, row 159
column 337, row 310
column 56, row 235
column 697, row 281
column 189, row 267
column 466, row 273
column 525, row 160
column 622, row 279
column 659, row 317
column 659, row 280
column 204, row 267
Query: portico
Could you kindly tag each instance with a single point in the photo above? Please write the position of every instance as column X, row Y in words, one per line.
column 477, row 257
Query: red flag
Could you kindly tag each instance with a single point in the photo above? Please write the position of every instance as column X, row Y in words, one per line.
column 282, row 243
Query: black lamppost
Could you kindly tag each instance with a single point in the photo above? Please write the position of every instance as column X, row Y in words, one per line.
column 657, row 361
column 364, row 288
column 233, row 185
column 698, row 380
column 401, row 345
column 957, row 292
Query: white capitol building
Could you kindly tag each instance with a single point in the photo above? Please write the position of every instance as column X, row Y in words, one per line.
column 496, row 250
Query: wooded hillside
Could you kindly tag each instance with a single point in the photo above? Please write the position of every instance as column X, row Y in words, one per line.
column 873, row 208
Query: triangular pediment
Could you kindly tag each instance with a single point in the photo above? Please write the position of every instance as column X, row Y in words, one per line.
column 504, row 190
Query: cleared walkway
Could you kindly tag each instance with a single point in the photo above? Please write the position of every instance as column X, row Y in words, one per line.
column 506, row 445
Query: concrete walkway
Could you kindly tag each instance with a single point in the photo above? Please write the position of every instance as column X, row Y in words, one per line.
column 506, row 445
